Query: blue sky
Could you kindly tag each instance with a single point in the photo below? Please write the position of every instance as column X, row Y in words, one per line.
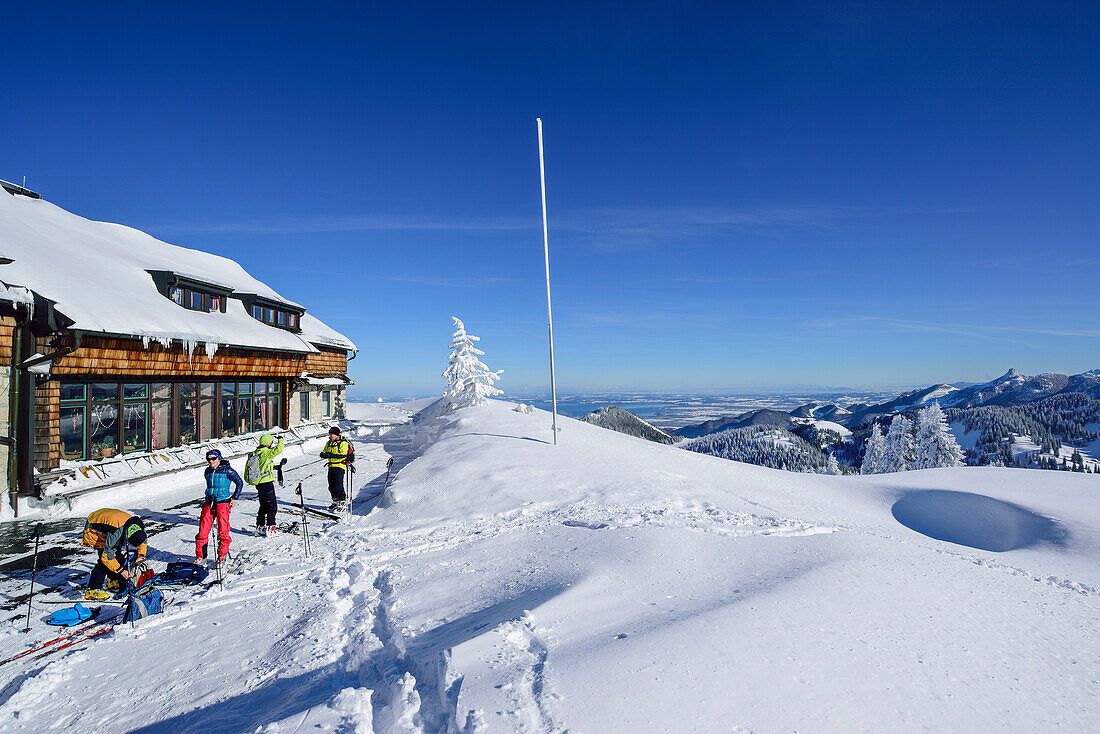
column 740, row 194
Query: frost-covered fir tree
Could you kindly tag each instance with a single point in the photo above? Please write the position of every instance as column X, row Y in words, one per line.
column 874, row 453
column 833, row 466
column 936, row 446
column 899, row 449
column 469, row 380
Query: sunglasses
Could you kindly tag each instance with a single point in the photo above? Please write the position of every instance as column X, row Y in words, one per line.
column 212, row 458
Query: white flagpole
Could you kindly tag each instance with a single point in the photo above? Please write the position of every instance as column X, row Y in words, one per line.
column 549, row 317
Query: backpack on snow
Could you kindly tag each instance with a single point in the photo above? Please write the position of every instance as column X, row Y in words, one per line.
column 70, row 615
column 252, row 469
column 181, row 573
column 142, row 602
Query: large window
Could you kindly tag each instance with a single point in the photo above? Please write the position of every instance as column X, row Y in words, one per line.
column 326, row 404
column 103, row 419
column 303, row 405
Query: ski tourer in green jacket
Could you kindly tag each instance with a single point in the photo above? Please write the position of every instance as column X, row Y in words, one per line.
column 266, row 454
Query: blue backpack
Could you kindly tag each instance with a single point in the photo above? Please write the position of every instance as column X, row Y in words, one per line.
column 180, row 573
column 142, row 602
column 69, row 616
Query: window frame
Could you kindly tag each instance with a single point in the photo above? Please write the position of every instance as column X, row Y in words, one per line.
column 181, row 390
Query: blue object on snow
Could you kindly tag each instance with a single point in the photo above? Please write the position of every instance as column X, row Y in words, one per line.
column 69, row 616
column 142, row 602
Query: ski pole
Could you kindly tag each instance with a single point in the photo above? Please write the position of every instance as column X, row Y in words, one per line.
column 389, row 466
column 217, row 542
column 349, row 477
column 307, row 465
column 34, row 571
column 305, row 522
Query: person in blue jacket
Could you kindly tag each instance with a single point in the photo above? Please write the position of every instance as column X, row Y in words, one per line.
column 223, row 487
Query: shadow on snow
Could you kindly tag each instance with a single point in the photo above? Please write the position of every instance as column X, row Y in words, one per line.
column 975, row 520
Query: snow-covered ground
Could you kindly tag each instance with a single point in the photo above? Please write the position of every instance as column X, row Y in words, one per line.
column 609, row 584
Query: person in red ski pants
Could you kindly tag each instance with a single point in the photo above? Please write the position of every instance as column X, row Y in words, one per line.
column 223, row 487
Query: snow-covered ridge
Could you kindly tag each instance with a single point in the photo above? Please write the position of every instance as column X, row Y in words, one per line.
column 98, row 274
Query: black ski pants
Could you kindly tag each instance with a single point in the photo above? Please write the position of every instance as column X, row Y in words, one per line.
column 268, row 504
column 100, row 573
column 336, row 484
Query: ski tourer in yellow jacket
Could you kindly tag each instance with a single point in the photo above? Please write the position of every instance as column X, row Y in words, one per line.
column 110, row 531
column 336, row 451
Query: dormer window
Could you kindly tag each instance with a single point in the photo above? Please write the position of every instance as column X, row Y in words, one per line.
column 190, row 293
column 196, row 300
column 273, row 313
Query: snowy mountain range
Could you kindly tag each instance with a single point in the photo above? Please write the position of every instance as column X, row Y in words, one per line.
column 1011, row 388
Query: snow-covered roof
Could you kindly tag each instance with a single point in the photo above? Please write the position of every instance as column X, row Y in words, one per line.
column 318, row 332
column 15, row 294
column 325, row 380
column 98, row 273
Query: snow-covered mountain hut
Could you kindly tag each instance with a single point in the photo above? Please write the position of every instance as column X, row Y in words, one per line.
column 117, row 343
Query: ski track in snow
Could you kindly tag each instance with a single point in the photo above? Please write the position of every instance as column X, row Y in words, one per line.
column 526, row 654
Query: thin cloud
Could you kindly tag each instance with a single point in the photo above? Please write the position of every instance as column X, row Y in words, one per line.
column 629, row 228
column 977, row 331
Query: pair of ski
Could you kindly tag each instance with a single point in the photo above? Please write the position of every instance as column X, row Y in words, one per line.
column 89, row 629
column 312, row 511
column 235, row 564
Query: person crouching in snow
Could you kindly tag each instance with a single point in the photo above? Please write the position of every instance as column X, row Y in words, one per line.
column 110, row 531
column 223, row 487
column 260, row 471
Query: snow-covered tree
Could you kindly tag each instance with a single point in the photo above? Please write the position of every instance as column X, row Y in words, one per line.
column 899, row 449
column 936, row 446
column 874, row 453
column 833, row 466
column 469, row 380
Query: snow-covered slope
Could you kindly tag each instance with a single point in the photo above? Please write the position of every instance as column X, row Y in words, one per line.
column 612, row 585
